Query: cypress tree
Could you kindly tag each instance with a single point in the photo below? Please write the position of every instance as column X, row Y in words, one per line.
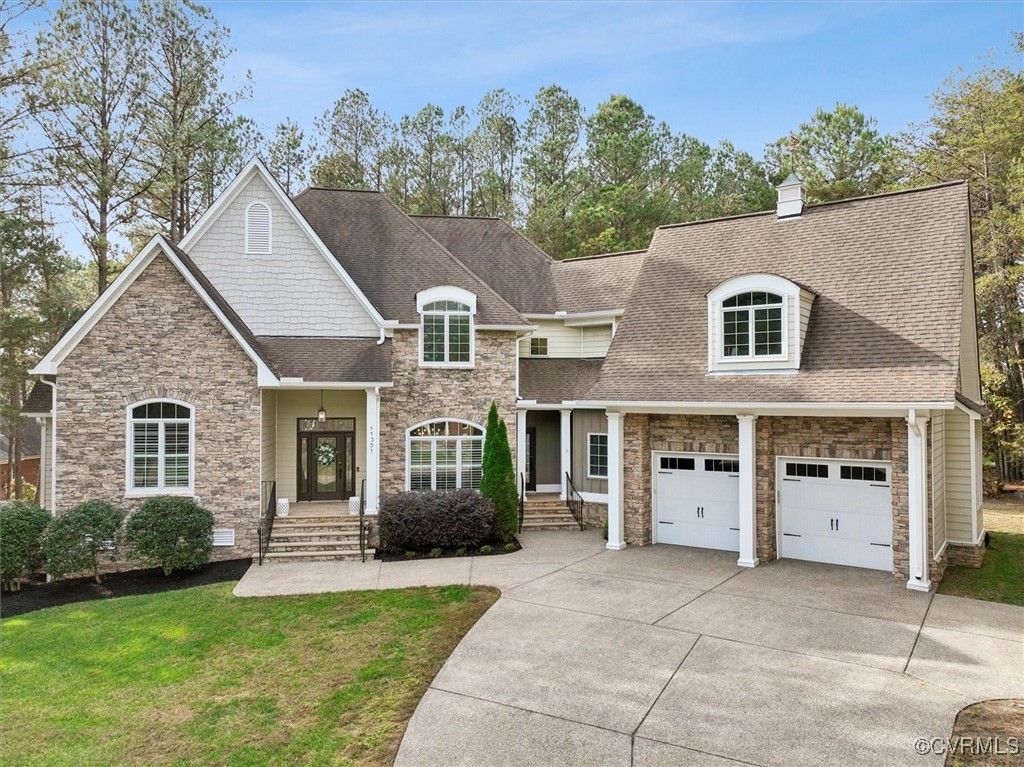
column 498, row 480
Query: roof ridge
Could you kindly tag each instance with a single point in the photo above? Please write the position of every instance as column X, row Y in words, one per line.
column 471, row 218
column 314, row 188
column 601, row 255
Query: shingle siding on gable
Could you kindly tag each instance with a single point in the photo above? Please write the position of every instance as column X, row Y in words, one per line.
column 291, row 292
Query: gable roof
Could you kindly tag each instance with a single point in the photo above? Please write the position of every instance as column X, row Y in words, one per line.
column 158, row 245
column 597, row 283
column 373, row 241
column 888, row 272
column 517, row 269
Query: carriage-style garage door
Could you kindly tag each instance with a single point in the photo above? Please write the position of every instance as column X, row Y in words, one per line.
column 835, row 511
column 697, row 500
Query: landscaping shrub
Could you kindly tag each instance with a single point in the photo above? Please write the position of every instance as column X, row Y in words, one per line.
column 498, row 478
column 423, row 521
column 172, row 532
column 76, row 540
column 22, row 525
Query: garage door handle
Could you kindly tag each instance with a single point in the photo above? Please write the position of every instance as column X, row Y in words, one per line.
column 735, row 528
column 665, row 523
column 873, row 485
column 887, row 545
column 792, row 535
column 789, row 479
column 831, row 524
column 664, row 472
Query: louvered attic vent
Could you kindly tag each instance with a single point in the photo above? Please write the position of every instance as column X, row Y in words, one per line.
column 257, row 229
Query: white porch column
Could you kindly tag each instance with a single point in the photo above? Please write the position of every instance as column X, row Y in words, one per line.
column 521, row 457
column 748, row 491
column 917, row 502
column 565, row 450
column 616, row 499
column 372, row 450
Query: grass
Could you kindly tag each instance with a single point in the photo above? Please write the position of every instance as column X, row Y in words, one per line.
column 199, row 677
column 987, row 722
column 1001, row 577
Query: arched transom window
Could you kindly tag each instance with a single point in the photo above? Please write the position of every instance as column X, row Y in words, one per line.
column 160, row 447
column 445, row 455
column 752, row 325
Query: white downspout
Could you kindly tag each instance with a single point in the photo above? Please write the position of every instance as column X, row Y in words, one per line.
column 917, row 527
column 53, row 447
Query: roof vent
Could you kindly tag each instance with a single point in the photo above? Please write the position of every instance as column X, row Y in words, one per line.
column 792, row 197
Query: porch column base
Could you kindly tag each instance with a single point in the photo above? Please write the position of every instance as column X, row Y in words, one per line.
column 747, row 562
column 615, row 546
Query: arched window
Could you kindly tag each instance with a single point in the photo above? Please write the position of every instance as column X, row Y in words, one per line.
column 257, row 229
column 752, row 325
column 446, row 326
column 161, row 436
column 445, row 455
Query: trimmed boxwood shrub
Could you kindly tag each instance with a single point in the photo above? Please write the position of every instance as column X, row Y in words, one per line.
column 422, row 521
column 172, row 532
column 22, row 525
column 76, row 540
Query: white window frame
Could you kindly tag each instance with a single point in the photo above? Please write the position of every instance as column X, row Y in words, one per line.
column 751, row 283
column 433, row 450
column 447, row 293
column 752, row 357
column 270, row 230
column 607, row 457
column 129, row 465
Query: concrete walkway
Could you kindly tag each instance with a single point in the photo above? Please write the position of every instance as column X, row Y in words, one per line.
column 668, row 655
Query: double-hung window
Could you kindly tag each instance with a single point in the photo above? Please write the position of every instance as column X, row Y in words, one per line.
column 597, row 456
column 445, row 455
column 160, row 448
column 447, row 333
column 752, row 325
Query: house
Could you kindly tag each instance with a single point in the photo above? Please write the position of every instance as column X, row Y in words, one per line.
column 30, row 448
column 797, row 383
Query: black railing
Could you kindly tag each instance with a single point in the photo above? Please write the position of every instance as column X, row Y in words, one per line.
column 268, row 490
column 522, row 500
column 573, row 500
column 362, row 520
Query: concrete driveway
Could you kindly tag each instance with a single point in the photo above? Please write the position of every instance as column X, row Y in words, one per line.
column 672, row 656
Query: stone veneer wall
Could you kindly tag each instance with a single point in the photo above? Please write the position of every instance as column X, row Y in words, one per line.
column 424, row 393
column 966, row 555
column 160, row 340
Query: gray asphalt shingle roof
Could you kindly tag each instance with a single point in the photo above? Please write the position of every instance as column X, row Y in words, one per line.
column 331, row 359
column 597, row 283
column 557, row 380
column 888, row 272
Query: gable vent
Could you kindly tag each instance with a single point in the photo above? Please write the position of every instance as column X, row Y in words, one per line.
column 257, row 229
column 223, row 536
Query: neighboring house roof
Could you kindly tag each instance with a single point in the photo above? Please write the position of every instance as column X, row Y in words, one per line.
column 391, row 258
column 596, row 283
column 888, row 272
column 31, row 439
column 40, row 399
column 360, row 360
column 557, row 380
column 499, row 255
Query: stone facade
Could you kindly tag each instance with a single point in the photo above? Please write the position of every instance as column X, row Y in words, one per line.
column 425, row 393
column 595, row 514
column 966, row 555
column 160, row 340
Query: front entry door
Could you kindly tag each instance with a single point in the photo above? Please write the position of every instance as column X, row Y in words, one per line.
column 531, row 459
column 326, row 466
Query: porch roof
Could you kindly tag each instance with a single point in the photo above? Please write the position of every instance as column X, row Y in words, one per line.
column 557, row 380
column 334, row 360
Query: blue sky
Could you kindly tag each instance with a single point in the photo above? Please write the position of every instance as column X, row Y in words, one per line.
column 747, row 72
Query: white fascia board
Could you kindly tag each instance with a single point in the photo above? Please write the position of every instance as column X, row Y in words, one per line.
column 296, row 385
column 833, row 409
column 47, row 414
column 974, row 415
column 51, row 362
column 517, row 328
column 534, row 405
column 606, row 314
column 255, row 165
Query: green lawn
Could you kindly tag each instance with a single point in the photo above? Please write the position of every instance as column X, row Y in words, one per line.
column 1001, row 577
column 199, row 677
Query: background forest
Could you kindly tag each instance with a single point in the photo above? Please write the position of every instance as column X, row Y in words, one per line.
column 120, row 114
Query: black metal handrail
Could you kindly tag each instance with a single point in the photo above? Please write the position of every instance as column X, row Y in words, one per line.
column 522, row 500
column 362, row 520
column 269, row 491
column 574, row 500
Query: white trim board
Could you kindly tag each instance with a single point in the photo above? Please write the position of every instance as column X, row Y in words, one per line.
column 255, row 165
column 50, row 363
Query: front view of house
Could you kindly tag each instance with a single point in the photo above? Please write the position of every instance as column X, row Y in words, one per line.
column 801, row 383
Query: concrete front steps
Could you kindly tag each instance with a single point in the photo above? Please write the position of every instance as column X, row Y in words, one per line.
column 547, row 513
column 315, row 539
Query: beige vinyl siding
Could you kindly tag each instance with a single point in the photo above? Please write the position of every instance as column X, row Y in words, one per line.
column 268, row 438
column 46, row 452
column 957, row 448
column 938, row 471
column 595, row 341
column 293, row 405
column 586, row 422
column 978, row 478
column 562, row 341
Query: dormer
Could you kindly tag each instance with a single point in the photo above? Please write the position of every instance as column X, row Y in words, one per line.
column 757, row 323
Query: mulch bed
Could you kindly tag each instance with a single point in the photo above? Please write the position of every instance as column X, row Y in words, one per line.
column 497, row 547
column 37, row 595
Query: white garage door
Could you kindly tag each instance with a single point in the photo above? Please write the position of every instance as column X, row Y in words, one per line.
column 697, row 500
column 835, row 511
